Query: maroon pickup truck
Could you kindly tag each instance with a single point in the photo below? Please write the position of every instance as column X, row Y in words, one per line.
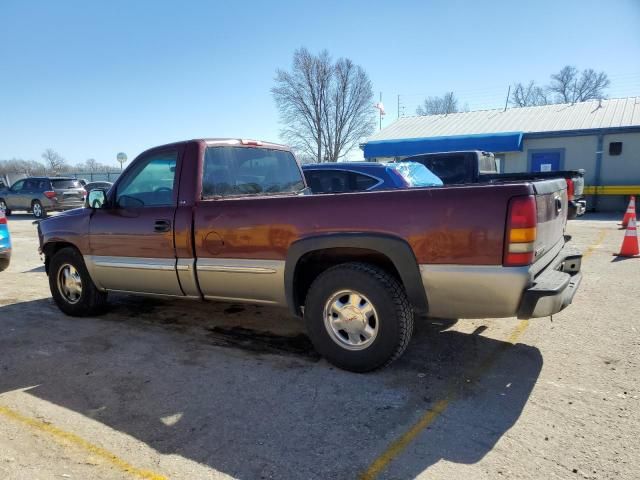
column 232, row 220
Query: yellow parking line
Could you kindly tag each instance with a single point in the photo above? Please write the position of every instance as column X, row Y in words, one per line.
column 64, row 437
column 601, row 234
column 399, row 445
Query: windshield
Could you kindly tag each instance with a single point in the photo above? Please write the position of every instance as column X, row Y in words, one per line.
column 230, row 171
column 416, row 175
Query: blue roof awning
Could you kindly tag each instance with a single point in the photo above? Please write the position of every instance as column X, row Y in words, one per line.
column 490, row 142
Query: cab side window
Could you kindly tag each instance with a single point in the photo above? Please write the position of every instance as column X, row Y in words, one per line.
column 18, row 186
column 151, row 183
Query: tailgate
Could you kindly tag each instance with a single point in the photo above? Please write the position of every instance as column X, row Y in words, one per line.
column 71, row 196
column 68, row 191
column 552, row 204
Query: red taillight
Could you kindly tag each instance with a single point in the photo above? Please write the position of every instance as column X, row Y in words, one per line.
column 571, row 189
column 3, row 219
column 521, row 231
column 50, row 194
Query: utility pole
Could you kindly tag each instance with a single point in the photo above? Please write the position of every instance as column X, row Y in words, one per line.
column 506, row 102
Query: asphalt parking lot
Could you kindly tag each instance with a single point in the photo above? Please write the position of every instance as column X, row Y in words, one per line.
column 178, row 389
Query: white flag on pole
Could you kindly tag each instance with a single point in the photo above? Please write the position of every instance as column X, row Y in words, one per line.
column 380, row 107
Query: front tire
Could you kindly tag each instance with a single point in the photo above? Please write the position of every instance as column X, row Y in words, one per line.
column 71, row 286
column 3, row 207
column 358, row 317
column 38, row 210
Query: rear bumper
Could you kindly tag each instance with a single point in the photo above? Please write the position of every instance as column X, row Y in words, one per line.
column 577, row 208
column 554, row 288
column 494, row 291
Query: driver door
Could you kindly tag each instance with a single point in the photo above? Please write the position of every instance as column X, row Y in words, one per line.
column 15, row 197
column 131, row 240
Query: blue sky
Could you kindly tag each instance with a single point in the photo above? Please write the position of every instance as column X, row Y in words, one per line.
column 90, row 79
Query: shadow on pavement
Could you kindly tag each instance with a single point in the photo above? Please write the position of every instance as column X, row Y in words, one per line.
column 619, row 258
column 39, row 269
column 600, row 217
column 244, row 411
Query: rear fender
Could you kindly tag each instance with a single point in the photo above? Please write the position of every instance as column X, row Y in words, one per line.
column 395, row 249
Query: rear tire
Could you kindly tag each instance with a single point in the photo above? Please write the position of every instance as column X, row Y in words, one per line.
column 3, row 206
column 38, row 210
column 358, row 317
column 71, row 286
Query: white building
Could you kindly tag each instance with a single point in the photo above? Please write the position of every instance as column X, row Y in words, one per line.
column 602, row 137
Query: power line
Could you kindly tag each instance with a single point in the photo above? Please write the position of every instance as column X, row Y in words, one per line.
column 493, row 97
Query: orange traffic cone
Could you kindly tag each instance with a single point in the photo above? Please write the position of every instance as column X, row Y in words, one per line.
column 631, row 212
column 630, row 243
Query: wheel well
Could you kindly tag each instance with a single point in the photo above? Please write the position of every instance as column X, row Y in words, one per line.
column 312, row 264
column 50, row 249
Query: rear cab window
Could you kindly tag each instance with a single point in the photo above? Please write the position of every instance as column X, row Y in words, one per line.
column 246, row 171
column 451, row 169
column 62, row 184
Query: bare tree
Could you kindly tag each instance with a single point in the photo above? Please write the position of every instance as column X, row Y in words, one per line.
column 448, row 103
column 92, row 165
column 347, row 116
column 529, row 95
column 571, row 86
column 18, row 165
column 53, row 160
column 325, row 107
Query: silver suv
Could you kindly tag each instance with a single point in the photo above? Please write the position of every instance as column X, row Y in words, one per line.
column 40, row 195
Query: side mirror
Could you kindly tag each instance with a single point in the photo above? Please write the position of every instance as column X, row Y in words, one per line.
column 97, row 198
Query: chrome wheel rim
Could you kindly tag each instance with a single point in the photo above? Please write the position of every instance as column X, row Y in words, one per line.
column 37, row 209
column 3, row 206
column 69, row 283
column 351, row 320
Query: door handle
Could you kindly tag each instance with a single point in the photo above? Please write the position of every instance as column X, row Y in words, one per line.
column 162, row 226
column 558, row 202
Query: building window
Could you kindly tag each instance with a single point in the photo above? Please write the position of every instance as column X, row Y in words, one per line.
column 615, row 148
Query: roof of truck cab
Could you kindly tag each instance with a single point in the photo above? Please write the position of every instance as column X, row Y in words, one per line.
column 213, row 142
column 238, row 142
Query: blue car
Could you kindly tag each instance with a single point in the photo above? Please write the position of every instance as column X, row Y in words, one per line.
column 5, row 242
column 365, row 176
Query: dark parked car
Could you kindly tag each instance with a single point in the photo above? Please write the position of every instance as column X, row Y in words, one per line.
column 364, row 176
column 40, row 195
column 475, row 166
column 5, row 243
column 93, row 185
